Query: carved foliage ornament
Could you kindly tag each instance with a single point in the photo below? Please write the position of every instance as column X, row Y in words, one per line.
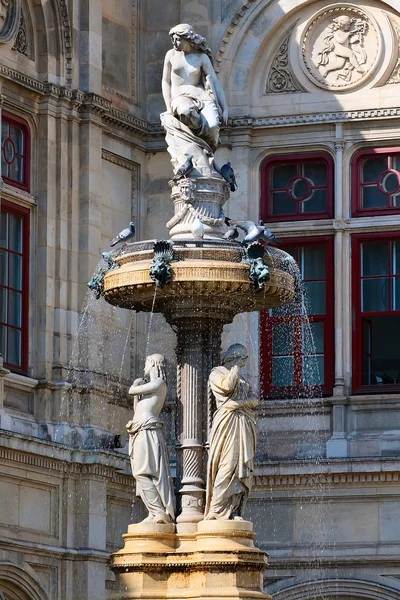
column 10, row 11
column 280, row 77
column 341, row 47
column 21, row 41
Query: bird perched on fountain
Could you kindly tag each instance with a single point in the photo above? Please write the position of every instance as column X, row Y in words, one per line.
column 232, row 233
column 184, row 170
column 255, row 232
column 229, row 176
column 197, row 229
column 124, row 235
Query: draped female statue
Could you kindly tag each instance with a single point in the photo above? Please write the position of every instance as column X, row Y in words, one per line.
column 194, row 99
column 232, row 439
column 147, row 447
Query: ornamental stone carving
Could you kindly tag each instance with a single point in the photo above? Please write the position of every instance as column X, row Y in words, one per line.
column 281, row 77
column 10, row 11
column 341, row 47
column 21, row 41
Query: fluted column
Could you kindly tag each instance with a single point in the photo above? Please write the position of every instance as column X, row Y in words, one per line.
column 198, row 349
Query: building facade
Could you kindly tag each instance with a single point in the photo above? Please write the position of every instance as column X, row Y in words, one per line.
column 314, row 138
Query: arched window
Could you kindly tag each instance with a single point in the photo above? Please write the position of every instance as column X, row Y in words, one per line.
column 297, row 187
column 15, row 151
column 376, row 182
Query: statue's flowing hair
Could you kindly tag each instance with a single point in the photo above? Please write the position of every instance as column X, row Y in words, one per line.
column 198, row 42
column 158, row 361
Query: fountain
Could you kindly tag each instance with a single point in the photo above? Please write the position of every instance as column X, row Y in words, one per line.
column 199, row 281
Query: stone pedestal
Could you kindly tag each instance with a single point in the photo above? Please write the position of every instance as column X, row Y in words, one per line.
column 201, row 198
column 219, row 560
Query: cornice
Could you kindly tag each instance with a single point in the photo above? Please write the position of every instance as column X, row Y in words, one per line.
column 321, row 480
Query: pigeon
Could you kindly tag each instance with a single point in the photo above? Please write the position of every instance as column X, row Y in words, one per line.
column 232, row 233
column 229, row 176
column 197, row 229
column 184, row 170
column 255, row 232
column 124, row 235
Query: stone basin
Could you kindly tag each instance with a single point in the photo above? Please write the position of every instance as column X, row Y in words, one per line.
column 207, row 277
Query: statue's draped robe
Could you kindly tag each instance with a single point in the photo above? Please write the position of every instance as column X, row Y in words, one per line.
column 150, row 468
column 233, row 440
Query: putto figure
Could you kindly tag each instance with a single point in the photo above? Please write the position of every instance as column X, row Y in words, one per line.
column 194, row 98
column 343, row 50
column 147, row 447
column 233, row 439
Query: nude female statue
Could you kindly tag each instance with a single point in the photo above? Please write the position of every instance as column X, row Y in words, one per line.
column 233, row 439
column 193, row 96
column 147, row 447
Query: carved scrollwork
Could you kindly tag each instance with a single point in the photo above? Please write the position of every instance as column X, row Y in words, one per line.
column 21, row 41
column 10, row 11
column 281, row 77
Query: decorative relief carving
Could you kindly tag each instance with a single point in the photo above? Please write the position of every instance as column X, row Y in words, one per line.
column 395, row 74
column 281, row 77
column 10, row 11
column 341, row 47
column 21, row 41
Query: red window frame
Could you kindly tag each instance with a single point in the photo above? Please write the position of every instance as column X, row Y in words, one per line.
column 21, row 124
column 20, row 211
column 357, row 346
column 310, row 157
column 356, row 183
column 266, row 324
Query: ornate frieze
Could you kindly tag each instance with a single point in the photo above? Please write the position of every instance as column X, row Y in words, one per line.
column 281, row 77
column 10, row 11
column 341, row 47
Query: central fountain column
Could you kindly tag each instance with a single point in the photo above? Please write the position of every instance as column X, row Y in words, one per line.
column 198, row 351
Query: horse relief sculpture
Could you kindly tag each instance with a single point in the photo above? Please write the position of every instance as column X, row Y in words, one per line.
column 147, row 446
column 341, row 47
column 194, row 99
column 233, row 439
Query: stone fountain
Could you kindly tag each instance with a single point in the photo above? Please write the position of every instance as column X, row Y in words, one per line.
column 199, row 281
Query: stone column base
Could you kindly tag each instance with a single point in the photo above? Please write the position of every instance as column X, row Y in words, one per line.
column 218, row 561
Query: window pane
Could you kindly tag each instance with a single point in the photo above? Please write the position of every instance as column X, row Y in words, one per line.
column 316, row 172
column 317, row 203
column 375, row 295
column 3, row 230
column 396, row 293
column 282, row 204
column 3, row 341
column 367, row 336
column 282, row 371
column 372, row 197
column 316, row 294
column 15, row 309
column 17, row 137
column 317, row 332
column 14, row 346
column 313, row 370
column 3, row 267
column 384, row 367
column 282, row 338
column 281, row 175
column 15, row 280
column 375, row 260
column 313, row 262
column 396, row 258
column 4, row 131
column 3, row 305
column 372, row 167
column 15, row 233
column 16, row 169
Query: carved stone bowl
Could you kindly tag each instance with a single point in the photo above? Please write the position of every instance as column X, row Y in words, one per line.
column 208, row 280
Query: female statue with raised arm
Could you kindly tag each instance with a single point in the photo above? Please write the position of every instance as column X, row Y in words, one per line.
column 147, row 447
column 233, row 439
column 194, row 99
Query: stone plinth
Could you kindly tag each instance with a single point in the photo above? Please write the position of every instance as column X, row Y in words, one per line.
column 218, row 561
column 198, row 198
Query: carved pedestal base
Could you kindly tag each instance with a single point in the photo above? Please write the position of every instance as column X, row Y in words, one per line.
column 201, row 199
column 218, row 561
